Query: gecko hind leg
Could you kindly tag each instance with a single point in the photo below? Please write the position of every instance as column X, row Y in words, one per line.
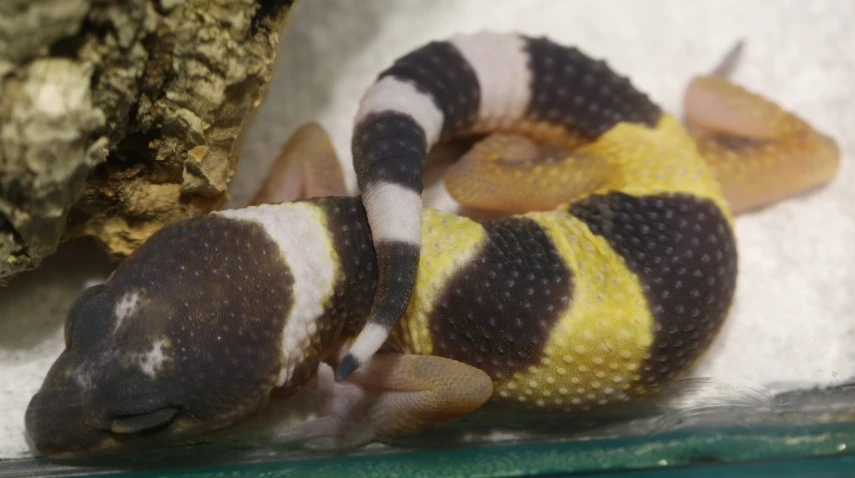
column 513, row 173
column 307, row 166
column 759, row 152
column 390, row 395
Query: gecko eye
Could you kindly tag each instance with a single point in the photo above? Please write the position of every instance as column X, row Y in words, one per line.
column 84, row 305
column 145, row 422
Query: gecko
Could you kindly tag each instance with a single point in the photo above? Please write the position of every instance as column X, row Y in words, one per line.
column 611, row 273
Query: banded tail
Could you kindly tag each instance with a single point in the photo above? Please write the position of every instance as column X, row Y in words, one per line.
column 469, row 84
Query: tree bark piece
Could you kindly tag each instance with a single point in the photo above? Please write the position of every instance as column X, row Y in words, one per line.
column 119, row 117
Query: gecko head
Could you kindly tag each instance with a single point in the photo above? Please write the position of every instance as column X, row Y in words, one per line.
column 96, row 393
column 167, row 347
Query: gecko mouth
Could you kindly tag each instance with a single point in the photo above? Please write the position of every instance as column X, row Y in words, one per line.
column 126, row 433
column 145, row 423
column 72, row 433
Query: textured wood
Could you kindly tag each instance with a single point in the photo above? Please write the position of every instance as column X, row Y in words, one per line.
column 119, row 117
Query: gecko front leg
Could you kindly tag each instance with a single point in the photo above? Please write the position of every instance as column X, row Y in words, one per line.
column 391, row 395
column 306, row 167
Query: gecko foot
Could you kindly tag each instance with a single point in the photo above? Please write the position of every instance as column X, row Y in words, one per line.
column 388, row 396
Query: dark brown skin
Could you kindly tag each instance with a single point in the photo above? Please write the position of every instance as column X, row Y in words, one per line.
column 122, row 378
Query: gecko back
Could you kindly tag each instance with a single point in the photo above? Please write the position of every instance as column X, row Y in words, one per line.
column 490, row 82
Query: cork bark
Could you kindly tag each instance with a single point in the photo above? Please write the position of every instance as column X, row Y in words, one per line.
column 118, row 117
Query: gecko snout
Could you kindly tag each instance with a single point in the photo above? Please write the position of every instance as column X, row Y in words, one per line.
column 58, row 423
column 65, row 419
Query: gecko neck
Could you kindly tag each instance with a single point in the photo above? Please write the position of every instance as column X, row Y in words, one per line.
column 336, row 282
column 353, row 247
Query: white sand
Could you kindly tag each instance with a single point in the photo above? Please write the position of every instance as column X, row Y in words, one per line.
column 793, row 322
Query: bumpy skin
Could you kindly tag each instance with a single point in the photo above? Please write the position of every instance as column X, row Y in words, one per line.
column 594, row 302
column 620, row 141
column 589, row 304
column 485, row 82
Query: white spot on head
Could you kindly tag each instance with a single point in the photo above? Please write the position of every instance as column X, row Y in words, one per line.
column 83, row 379
column 300, row 232
column 152, row 361
column 125, row 307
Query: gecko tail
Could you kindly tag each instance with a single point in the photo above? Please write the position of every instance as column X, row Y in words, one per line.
column 366, row 344
column 727, row 65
